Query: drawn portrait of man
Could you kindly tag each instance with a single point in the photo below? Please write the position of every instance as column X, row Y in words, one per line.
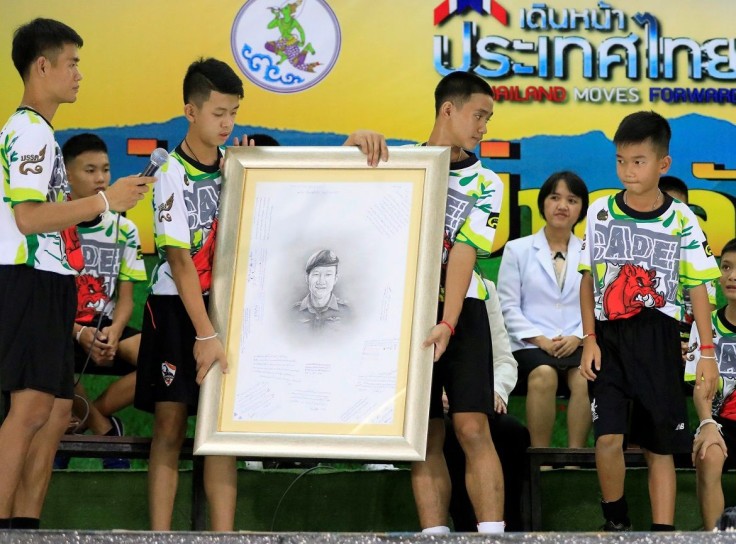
column 321, row 309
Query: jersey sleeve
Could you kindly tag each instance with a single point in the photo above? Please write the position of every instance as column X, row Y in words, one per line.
column 132, row 267
column 31, row 163
column 697, row 263
column 170, row 221
column 479, row 228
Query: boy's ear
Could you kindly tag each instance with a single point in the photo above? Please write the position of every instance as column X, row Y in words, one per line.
column 664, row 165
column 189, row 110
column 446, row 109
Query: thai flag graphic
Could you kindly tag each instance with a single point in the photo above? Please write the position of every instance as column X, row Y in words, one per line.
column 490, row 7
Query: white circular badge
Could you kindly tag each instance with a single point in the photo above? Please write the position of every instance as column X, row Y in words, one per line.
column 285, row 47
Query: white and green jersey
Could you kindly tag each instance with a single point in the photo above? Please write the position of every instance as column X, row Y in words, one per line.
column 186, row 199
column 107, row 262
column 474, row 197
column 33, row 171
column 724, row 340
column 643, row 259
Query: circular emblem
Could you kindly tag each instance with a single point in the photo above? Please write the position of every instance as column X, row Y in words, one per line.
column 285, row 47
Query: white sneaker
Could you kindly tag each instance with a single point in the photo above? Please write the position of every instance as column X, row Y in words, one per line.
column 379, row 466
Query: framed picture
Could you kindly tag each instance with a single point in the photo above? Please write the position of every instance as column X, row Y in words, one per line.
column 325, row 286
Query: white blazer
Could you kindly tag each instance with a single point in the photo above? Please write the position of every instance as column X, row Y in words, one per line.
column 505, row 367
column 531, row 300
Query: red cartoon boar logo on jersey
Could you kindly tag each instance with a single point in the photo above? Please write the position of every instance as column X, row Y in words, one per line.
column 91, row 297
column 632, row 290
column 204, row 257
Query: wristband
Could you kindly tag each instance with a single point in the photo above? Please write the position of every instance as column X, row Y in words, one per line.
column 706, row 422
column 707, row 357
column 709, row 346
column 79, row 332
column 591, row 334
column 452, row 330
column 202, row 338
column 107, row 204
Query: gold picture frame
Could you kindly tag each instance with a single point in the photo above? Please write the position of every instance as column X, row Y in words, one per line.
column 351, row 381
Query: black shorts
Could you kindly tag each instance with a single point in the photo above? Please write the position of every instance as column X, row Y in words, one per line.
column 638, row 391
column 36, row 344
column 119, row 367
column 529, row 359
column 728, row 428
column 465, row 370
column 167, row 371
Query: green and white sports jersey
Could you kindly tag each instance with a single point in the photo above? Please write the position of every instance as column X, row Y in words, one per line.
column 643, row 259
column 33, row 171
column 186, row 198
column 724, row 340
column 107, row 262
column 474, row 197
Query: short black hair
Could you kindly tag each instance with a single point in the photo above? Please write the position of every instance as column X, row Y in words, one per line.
column 645, row 125
column 76, row 145
column 575, row 185
column 207, row 75
column 457, row 87
column 672, row 183
column 263, row 140
column 730, row 247
column 40, row 37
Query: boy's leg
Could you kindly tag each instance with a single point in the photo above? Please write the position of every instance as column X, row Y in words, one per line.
column 611, row 467
column 540, row 404
column 710, row 490
column 578, row 410
column 169, row 430
column 221, row 488
column 117, row 396
column 29, row 412
column 39, row 462
column 86, row 411
column 430, row 479
column 483, row 475
column 662, row 487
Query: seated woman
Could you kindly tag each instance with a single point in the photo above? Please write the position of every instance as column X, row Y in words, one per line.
column 539, row 289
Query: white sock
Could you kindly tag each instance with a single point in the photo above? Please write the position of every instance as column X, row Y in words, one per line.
column 491, row 527
column 437, row 530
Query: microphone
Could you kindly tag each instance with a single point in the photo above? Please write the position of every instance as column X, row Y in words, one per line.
column 158, row 159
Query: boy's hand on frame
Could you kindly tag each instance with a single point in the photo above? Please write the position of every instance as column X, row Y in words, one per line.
column 372, row 144
column 439, row 336
column 206, row 352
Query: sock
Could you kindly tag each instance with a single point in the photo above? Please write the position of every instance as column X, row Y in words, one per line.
column 25, row 523
column 437, row 530
column 662, row 527
column 491, row 527
column 616, row 511
column 4, row 523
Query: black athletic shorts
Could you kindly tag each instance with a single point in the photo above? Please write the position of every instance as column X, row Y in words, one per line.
column 119, row 366
column 36, row 344
column 638, row 391
column 167, row 371
column 728, row 428
column 465, row 370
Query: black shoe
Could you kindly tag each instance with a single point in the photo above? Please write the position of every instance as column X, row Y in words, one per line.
column 612, row 527
column 115, row 462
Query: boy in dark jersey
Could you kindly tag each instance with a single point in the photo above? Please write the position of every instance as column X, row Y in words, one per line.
column 39, row 257
column 716, row 433
column 641, row 247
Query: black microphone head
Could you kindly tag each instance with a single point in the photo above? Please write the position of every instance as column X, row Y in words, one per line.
column 159, row 156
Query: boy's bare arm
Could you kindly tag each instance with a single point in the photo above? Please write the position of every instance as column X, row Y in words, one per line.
column 706, row 373
column 120, row 317
column 591, row 352
column 460, row 265
column 38, row 217
column 206, row 352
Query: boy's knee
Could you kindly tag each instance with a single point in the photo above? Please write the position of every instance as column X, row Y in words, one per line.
column 471, row 431
column 712, row 464
column 610, row 443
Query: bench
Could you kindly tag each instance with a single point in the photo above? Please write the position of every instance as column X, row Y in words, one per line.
column 576, row 457
column 136, row 447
